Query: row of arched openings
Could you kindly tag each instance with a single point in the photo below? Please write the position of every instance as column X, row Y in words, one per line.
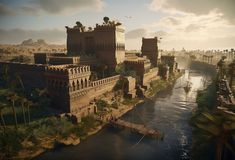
column 75, row 85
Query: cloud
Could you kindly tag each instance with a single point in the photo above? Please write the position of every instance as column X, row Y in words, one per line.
column 192, row 31
column 193, row 28
column 158, row 34
column 29, row 10
column 198, row 7
column 71, row 6
column 6, row 10
column 173, row 20
column 16, row 36
column 54, row 7
column 136, row 33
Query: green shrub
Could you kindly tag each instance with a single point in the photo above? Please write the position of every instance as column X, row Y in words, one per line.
column 10, row 143
column 130, row 101
column 101, row 104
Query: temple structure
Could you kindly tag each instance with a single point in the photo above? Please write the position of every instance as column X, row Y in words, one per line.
column 88, row 70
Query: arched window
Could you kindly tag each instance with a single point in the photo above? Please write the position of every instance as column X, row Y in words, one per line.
column 86, row 82
column 78, row 85
column 82, row 84
column 73, row 85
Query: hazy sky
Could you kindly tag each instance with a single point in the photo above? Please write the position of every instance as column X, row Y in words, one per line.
column 191, row 24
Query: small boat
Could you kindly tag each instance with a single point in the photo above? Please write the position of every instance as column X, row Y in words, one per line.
column 188, row 86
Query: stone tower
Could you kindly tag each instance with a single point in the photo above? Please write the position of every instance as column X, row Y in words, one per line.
column 110, row 44
column 106, row 42
column 150, row 49
column 65, row 81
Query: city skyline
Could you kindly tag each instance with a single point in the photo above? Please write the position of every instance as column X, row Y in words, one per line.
column 192, row 25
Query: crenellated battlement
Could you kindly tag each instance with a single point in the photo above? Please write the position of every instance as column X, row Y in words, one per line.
column 78, row 30
column 109, row 26
column 68, row 69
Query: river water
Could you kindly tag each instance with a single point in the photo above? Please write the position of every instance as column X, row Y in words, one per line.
column 168, row 112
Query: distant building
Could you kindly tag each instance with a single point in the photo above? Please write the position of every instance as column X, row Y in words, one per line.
column 170, row 61
column 143, row 71
column 150, row 49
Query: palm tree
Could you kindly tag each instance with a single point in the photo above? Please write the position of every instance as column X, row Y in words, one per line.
column 79, row 24
column 2, row 106
column 218, row 126
column 43, row 97
column 17, row 76
column 23, row 101
column 42, row 92
column 29, row 104
column 5, row 75
column 13, row 98
column 231, row 71
column 106, row 20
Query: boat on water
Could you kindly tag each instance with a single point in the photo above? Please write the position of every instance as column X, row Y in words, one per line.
column 188, row 86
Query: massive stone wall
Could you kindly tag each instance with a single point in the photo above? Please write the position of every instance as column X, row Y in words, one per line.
column 141, row 67
column 32, row 75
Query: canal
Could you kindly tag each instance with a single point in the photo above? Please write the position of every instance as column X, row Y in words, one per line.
column 168, row 112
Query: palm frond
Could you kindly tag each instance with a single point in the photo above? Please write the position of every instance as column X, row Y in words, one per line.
column 213, row 129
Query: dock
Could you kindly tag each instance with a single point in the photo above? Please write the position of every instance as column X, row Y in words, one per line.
column 138, row 128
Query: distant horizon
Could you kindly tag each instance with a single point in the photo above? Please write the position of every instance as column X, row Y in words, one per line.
column 49, row 43
column 195, row 24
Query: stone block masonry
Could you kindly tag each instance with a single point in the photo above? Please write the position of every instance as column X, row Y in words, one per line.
column 32, row 75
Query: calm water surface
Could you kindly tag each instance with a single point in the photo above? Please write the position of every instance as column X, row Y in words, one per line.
column 168, row 112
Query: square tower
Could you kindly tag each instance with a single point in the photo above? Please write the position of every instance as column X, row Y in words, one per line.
column 106, row 42
column 150, row 49
column 65, row 81
column 110, row 44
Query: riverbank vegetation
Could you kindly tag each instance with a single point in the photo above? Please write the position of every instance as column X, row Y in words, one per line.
column 161, row 84
column 29, row 126
column 213, row 128
column 202, row 148
column 213, row 124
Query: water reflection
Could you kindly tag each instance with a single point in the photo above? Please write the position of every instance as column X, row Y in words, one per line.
column 169, row 112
